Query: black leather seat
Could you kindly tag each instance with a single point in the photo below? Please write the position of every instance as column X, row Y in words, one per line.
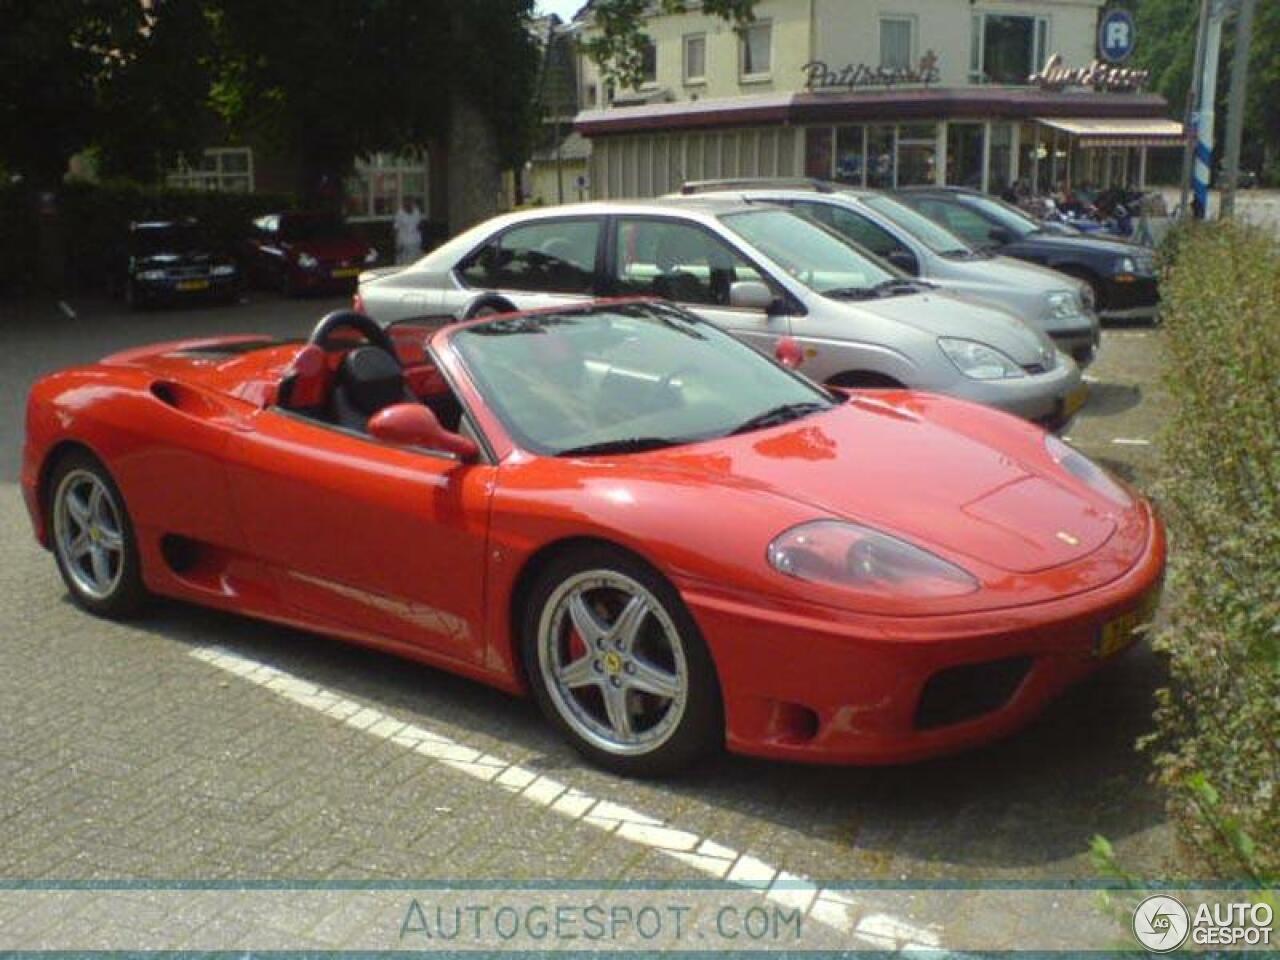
column 369, row 380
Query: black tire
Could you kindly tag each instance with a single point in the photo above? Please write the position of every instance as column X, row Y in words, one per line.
column 699, row 729
column 488, row 305
column 127, row 594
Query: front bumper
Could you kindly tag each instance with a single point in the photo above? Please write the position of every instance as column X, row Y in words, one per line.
column 1137, row 298
column 175, row 289
column 825, row 686
column 1050, row 399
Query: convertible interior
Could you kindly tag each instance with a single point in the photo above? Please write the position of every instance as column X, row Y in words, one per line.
column 351, row 369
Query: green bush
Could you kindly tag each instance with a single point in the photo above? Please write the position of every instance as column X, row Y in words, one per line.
column 94, row 220
column 1217, row 738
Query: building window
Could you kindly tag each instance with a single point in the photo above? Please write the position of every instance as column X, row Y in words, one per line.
column 756, row 51
column 649, row 64
column 895, row 43
column 383, row 182
column 964, row 154
column 1006, row 48
column 917, row 154
column 223, row 169
column 851, row 152
column 695, row 58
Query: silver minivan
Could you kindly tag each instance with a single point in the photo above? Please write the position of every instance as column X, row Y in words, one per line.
column 763, row 273
column 1060, row 305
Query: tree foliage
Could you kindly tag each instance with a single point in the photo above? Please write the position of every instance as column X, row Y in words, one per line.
column 618, row 41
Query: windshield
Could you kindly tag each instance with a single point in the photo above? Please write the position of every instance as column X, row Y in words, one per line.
column 936, row 238
column 817, row 257
column 170, row 238
column 626, row 378
column 1008, row 217
column 312, row 227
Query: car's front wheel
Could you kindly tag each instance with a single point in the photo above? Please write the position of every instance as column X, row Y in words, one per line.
column 618, row 665
column 93, row 539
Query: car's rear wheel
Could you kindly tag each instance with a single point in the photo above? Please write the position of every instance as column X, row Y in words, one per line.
column 93, row 539
column 618, row 665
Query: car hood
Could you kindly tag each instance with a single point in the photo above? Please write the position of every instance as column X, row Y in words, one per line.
column 944, row 314
column 887, row 464
column 1027, row 277
column 1082, row 243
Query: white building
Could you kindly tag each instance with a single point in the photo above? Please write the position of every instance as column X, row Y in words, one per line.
column 885, row 93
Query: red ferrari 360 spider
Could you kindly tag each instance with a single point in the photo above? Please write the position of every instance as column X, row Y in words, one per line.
column 671, row 540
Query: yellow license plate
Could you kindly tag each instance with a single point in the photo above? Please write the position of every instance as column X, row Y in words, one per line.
column 193, row 284
column 1126, row 628
column 1075, row 400
column 342, row 272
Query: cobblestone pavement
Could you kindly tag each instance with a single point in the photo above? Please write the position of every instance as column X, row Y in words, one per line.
column 143, row 751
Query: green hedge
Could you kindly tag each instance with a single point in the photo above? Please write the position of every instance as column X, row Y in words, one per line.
column 94, row 219
column 1218, row 721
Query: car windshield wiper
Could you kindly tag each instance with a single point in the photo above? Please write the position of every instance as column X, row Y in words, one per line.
column 851, row 293
column 896, row 288
column 776, row 415
column 622, row 445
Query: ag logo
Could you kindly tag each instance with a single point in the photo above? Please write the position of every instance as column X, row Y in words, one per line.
column 1161, row 923
column 1116, row 36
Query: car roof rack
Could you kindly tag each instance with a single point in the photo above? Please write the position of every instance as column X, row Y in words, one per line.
column 692, row 187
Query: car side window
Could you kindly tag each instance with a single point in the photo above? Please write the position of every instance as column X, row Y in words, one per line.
column 854, row 226
column 549, row 257
column 677, row 261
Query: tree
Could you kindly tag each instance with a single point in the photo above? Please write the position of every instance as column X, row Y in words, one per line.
column 1167, row 45
column 55, row 56
column 618, row 44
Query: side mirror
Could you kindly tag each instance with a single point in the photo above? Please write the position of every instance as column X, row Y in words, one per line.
column 1000, row 235
column 750, row 295
column 788, row 353
column 413, row 425
column 904, row 260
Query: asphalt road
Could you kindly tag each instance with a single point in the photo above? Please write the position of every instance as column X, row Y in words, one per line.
column 127, row 752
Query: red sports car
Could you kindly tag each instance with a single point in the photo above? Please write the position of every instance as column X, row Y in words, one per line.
column 672, row 541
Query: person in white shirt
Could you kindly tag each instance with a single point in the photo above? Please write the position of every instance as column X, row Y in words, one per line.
column 408, row 235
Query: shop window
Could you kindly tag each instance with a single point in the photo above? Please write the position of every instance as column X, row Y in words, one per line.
column 1007, row 48
column 678, row 262
column 221, row 169
column 695, row 58
column 756, row 51
column 881, row 141
column 550, row 257
column 851, row 154
column 964, row 154
column 895, row 43
column 382, row 182
column 1000, row 176
column 817, row 152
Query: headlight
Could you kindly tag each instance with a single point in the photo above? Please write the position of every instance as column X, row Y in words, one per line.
column 1063, row 305
column 1126, row 265
column 849, row 555
column 223, row 270
column 307, row 262
column 979, row 361
column 371, row 256
column 1082, row 468
column 151, row 275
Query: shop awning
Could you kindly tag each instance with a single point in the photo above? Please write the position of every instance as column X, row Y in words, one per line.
column 1119, row 131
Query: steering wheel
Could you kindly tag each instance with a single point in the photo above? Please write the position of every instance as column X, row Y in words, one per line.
column 321, row 336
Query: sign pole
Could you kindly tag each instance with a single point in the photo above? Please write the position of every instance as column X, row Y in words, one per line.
column 1189, row 121
column 1235, row 104
column 1202, row 173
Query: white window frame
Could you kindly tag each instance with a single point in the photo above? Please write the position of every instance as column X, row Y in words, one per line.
column 743, row 76
column 1041, row 34
column 910, row 21
column 387, row 164
column 691, row 79
column 186, row 178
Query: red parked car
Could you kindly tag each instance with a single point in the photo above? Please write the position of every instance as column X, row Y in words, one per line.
column 303, row 252
column 670, row 540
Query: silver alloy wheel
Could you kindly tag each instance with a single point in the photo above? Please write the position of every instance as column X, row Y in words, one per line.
column 613, row 662
column 88, row 533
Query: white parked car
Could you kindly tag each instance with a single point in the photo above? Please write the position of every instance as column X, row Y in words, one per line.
column 759, row 271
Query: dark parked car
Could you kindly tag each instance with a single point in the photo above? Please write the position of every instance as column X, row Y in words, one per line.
column 1122, row 275
column 172, row 261
column 304, row 252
